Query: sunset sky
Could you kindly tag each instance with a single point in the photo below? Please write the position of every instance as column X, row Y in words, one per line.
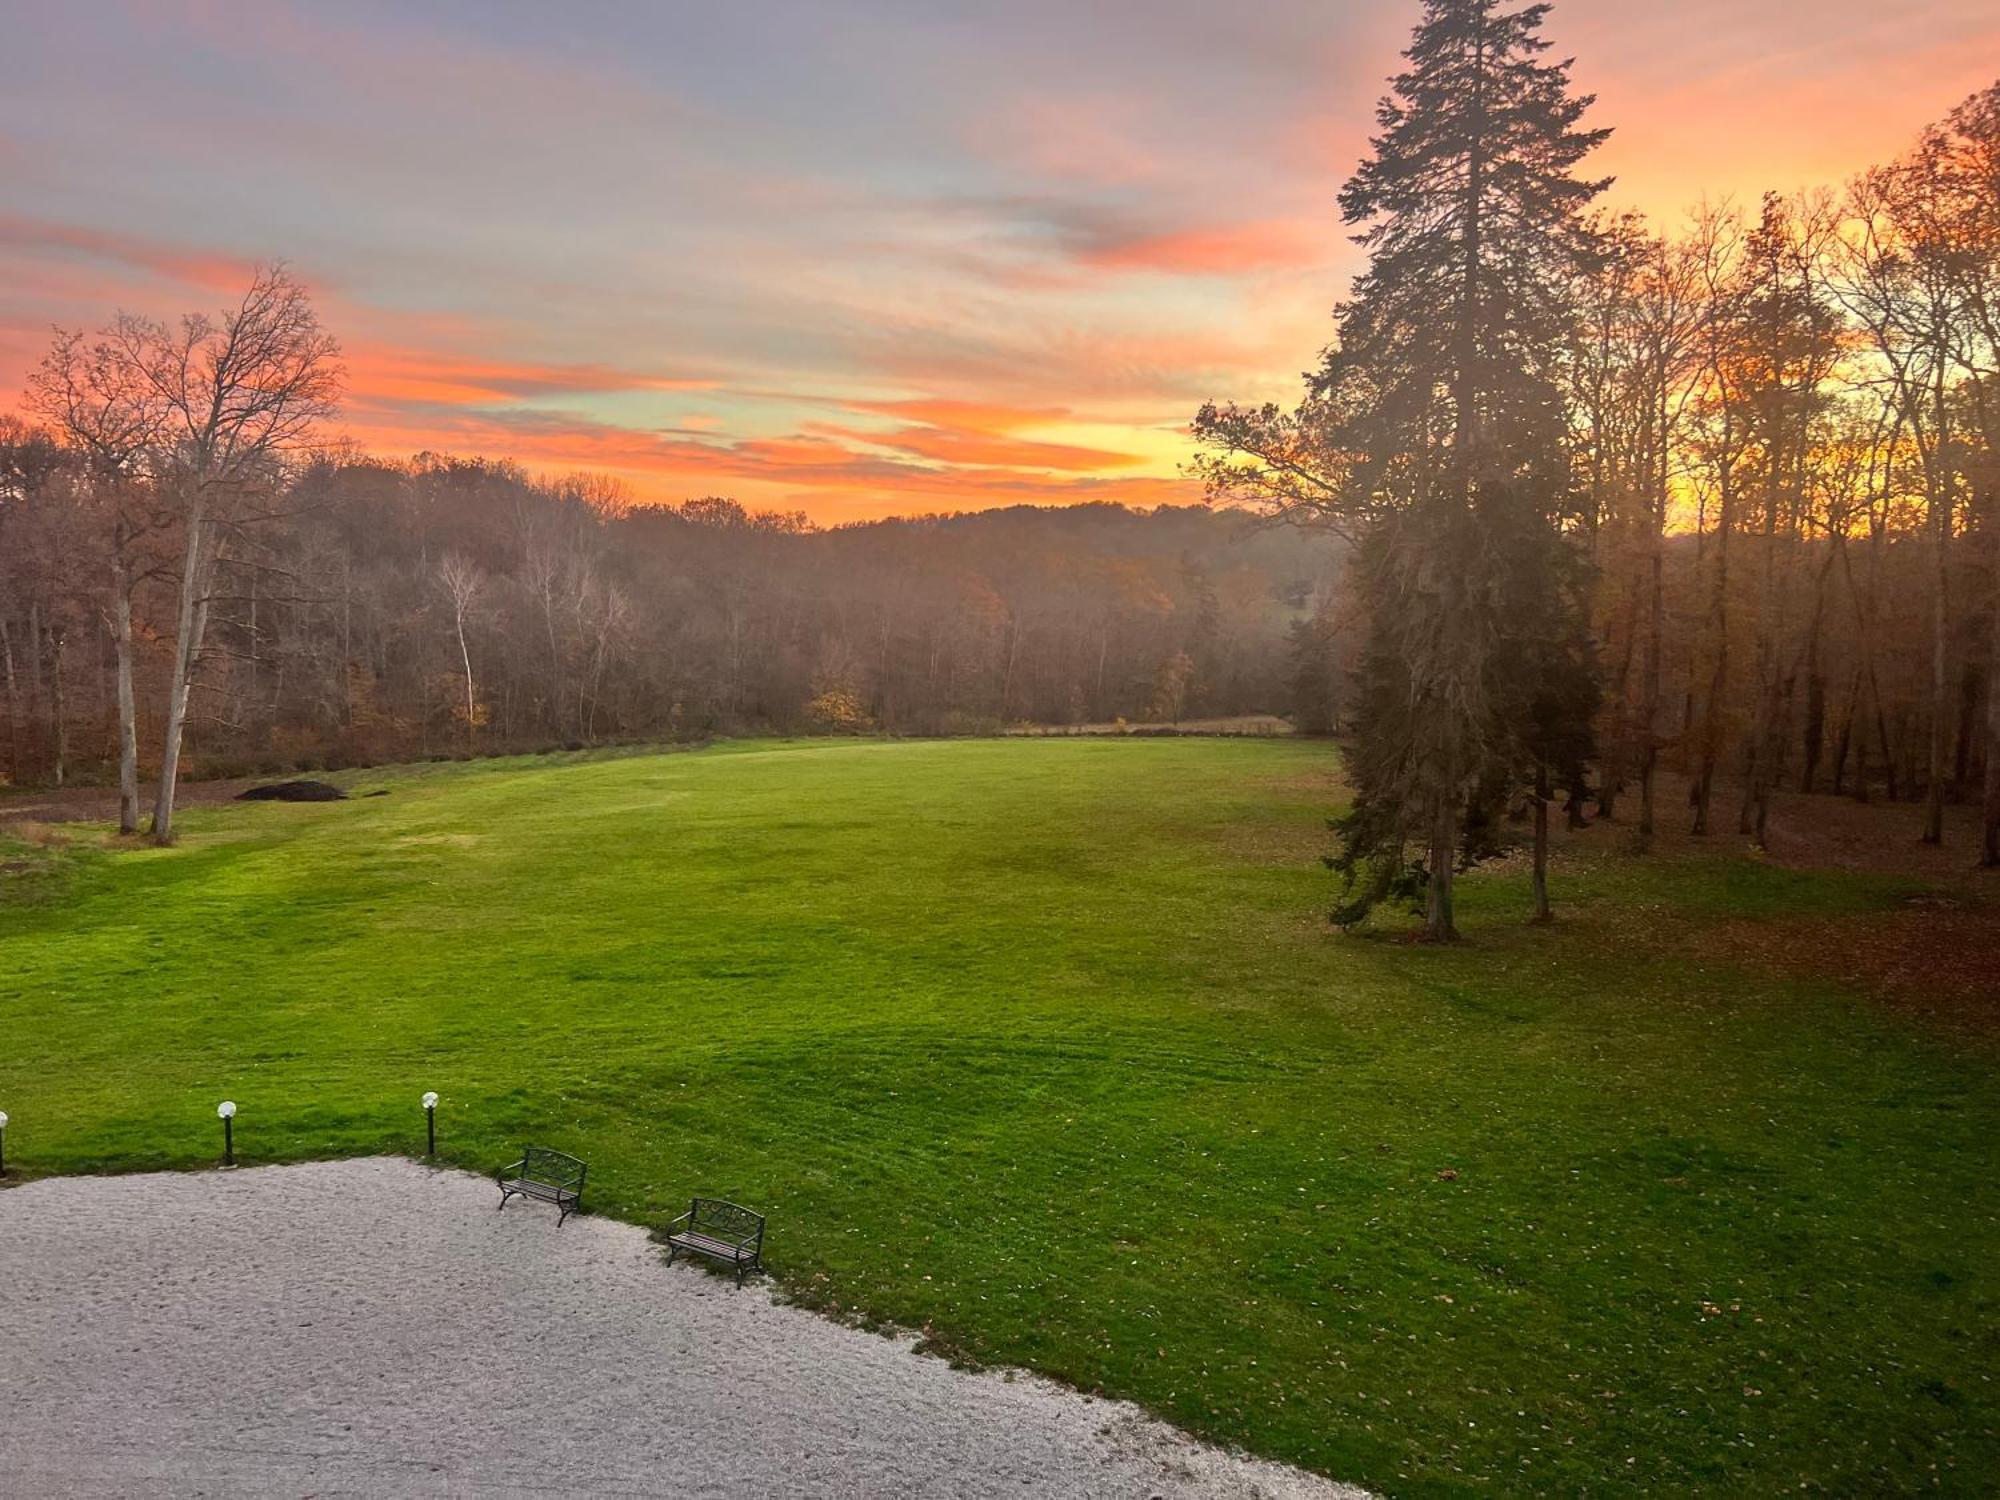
column 855, row 258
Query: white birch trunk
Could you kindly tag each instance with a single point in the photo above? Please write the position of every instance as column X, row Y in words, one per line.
column 192, row 619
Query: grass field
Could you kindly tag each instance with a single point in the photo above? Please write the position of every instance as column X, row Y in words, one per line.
column 1043, row 1046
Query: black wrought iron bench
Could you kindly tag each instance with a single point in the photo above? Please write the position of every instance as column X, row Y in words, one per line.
column 720, row 1231
column 547, row 1175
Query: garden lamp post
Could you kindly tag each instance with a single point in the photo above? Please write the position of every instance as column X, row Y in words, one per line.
column 3, row 1143
column 431, row 1122
column 227, row 1110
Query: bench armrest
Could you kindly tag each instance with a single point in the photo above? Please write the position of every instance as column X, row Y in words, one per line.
column 513, row 1168
column 682, row 1219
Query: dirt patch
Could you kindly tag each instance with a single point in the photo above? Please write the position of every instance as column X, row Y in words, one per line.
column 1817, row 832
column 292, row 791
column 1838, row 833
column 1935, row 956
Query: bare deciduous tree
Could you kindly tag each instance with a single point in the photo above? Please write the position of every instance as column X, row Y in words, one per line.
column 223, row 400
column 463, row 583
column 79, row 389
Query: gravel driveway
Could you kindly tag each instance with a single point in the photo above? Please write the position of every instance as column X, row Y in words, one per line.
column 375, row 1328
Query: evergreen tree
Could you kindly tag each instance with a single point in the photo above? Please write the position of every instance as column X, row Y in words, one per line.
column 1443, row 383
column 1475, row 227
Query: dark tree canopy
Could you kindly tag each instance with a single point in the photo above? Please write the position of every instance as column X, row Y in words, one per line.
column 1474, row 224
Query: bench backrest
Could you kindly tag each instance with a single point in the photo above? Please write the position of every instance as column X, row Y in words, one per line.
column 540, row 1164
column 726, row 1220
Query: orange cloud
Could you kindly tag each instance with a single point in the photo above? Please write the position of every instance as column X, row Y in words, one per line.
column 1223, row 250
column 207, row 269
column 952, row 446
column 382, row 372
column 977, row 433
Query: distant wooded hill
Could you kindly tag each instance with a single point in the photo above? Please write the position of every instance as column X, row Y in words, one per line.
column 375, row 610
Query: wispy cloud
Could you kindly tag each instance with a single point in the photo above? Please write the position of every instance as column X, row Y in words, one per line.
column 209, row 269
column 1219, row 249
column 381, row 374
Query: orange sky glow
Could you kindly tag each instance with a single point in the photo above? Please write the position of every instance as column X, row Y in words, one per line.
column 892, row 261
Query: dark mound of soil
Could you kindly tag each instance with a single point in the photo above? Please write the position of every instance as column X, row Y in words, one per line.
column 293, row 791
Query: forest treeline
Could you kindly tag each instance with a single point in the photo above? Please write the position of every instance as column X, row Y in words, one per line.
column 362, row 610
column 1721, row 497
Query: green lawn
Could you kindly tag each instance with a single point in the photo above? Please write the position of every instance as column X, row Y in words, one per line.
column 1043, row 1045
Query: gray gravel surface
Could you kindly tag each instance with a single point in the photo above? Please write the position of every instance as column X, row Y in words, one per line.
column 375, row 1328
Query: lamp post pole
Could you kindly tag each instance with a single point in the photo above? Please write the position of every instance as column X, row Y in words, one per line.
column 431, row 1124
column 227, row 1110
column 3, row 1143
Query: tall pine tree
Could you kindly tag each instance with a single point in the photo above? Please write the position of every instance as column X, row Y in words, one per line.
column 1474, row 224
column 1442, row 385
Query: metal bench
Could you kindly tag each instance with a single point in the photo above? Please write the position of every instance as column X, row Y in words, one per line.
column 548, row 1175
column 720, row 1231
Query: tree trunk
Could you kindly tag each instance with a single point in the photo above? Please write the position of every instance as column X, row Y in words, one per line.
column 13, row 701
column 57, row 641
column 1649, row 758
column 1654, row 685
column 1815, row 725
column 1541, row 876
column 1968, row 726
column 1990, row 851
column 128, row 727
column 1940, row 671
column 1845, row 740
column 465, row 656
column 1815, row 736
column 1612, row 773
column 37, row 691
column 1882, row 741
column 1762, row 818
column 1718, row 687
column 1438, row 924
column 192, row 619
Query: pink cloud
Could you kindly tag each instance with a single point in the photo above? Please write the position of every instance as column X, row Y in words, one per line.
column 379, row 373
column 1220, row 250
column 211, row 270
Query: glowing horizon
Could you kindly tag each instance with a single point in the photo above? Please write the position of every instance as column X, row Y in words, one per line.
column 922, row 262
